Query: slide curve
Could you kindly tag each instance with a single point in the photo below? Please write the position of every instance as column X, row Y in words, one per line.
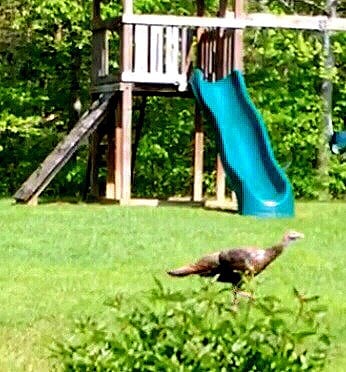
column 261, row 186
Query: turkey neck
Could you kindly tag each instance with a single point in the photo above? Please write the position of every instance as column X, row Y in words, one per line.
column 273, row 252
column 277, row 249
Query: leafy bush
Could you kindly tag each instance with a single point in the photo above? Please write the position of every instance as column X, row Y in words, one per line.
column 198, row 331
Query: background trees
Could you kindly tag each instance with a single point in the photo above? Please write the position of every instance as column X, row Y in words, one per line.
column 44, row 68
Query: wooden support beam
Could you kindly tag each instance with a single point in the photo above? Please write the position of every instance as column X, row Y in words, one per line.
column 219, row 70
column 222, row 8
column 100, row 55
column 238, row 44
column 96, row 9
column 94, row 164
column 220, row 180
column 108, row 24
column 200, row 8
column 138, row 134
column 126, row 49
column 127, row 6
column 126, row 143
column 198, row 157
column 111, row 133
column 199, row 133
column 124, row 125
column 258, row 20
column 170, row 20
column 118, row 149
column 299, row 22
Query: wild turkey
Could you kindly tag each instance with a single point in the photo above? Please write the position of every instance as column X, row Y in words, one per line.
column 230, row 265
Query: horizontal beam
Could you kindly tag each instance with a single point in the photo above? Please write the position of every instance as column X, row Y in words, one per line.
column 109, row 24
column 155, row 78
column 181, row 21
column 320, row 23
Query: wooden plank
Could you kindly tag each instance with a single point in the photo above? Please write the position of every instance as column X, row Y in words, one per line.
column 206, row 54
column 171, row 51
column 100, row 55
column 230, row 50
column 173, row 78
column 137, row 202
column 319, row 23
column 220, row 54
column 249, row 20
column 126, row 48
column 170, row 20
column 53, row 163
column 336, row 24
column 226, row 204
column 156, row 50
column 184, row 63
column 212, row 51
column 141, row 49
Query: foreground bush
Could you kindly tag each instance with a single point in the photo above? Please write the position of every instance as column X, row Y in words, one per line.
column 198, row 331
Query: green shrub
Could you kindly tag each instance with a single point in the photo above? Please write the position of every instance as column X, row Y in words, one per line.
column 198, row 331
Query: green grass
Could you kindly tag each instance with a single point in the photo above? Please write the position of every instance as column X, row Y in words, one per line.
column 59, row 261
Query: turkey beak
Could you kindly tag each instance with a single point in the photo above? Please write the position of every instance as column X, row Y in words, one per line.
column 298, row 236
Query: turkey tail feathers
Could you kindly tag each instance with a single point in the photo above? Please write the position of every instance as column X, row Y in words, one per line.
column 188, row 270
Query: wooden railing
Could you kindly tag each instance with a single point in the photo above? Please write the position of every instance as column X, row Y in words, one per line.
column 159, row 49
column 160, row 54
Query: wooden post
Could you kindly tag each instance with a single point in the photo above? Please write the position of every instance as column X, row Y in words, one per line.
column 100, row 49
column 327, row 86
column 118, row 150
column 238, row 45
column 94, row 163
column 111, row 133
column 126, row 108
column 199, row 134
column 220, row 172
column 327, row 98
column 99, row 68
column 220, row 181
column 124, row 122
column 138, row 133
column 198, row 157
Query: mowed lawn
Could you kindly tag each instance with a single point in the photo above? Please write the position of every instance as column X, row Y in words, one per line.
column 61, row 261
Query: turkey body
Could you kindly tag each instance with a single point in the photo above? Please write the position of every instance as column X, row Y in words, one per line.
column 230, row 265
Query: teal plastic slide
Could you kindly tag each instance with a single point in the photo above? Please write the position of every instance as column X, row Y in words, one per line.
column 261, row 186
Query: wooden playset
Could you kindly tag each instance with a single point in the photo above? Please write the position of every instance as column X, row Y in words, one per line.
column 157, row 56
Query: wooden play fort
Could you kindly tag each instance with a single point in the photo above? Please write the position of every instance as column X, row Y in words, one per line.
column 157, row 56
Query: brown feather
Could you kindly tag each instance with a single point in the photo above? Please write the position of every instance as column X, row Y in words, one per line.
column 231, row 264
